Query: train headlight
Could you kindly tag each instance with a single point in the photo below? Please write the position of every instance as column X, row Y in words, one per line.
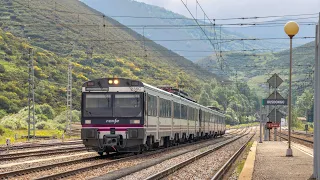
column 116, row 81
column 110, row 81
column 134, row 121
column 87, row 121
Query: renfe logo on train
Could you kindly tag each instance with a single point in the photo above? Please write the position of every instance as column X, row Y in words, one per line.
column 114, row 121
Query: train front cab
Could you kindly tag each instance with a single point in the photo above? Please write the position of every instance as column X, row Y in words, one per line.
column 112, row 116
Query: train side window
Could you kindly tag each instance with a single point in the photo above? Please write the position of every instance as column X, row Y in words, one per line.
column 176, row 110
column 165, row 108
column 190, row 113
column 196, row 114
column 184, row 110
column 152, row 105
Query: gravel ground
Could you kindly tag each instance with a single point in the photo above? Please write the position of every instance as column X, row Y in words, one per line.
column 27, row 165
column 31, row 158
column 195, row 170
column 206, row 167
column 124, row 164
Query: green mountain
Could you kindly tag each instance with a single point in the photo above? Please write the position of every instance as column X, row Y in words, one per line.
column 256, row 69
column 158, row 23
column 63, row 31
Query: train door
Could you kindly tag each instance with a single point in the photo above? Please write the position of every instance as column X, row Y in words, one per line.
column 200, row 121
column 172, row 122
column 158, row 119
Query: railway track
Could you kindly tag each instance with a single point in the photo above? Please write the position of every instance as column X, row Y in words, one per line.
column 33, row 145
column 22, row 172
column 19, row 155
column 218, row 175
column 149, row 167
column 108, row 162
column 306, row 142
column 102, row 164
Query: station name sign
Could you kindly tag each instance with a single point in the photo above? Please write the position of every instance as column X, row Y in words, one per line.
column 274, row 102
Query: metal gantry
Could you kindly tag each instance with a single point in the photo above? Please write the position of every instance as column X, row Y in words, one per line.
column 31, row 103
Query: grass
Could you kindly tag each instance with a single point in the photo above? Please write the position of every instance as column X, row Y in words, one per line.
column 243, row 125
column 10, row 134
column 241, row 163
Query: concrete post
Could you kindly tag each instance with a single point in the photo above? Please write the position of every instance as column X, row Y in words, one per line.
column 316, row 148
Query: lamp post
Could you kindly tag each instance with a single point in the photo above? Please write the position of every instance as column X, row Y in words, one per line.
column 291, row 29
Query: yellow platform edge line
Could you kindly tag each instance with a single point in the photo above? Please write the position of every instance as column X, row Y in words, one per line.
column 247, row 171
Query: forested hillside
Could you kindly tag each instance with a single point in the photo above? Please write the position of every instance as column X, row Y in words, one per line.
column 256, row 68
column 162, row 24
column 63, row 31
column 60, row 32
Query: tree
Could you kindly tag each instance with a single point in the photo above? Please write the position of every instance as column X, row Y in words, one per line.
column 304, row 102
column 204, row 98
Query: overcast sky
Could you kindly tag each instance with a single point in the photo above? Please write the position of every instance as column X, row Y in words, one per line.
column 241, row 8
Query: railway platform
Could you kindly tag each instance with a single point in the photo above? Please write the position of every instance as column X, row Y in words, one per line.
column 268, row 161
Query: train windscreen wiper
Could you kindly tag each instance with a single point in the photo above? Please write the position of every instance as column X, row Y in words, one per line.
column 88, row 112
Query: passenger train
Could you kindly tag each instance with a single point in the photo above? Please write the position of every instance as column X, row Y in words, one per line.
column 124, row 115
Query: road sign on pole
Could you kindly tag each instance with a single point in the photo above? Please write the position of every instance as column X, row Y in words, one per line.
column 275, row 95
column 275, row 116
column 274, row 102
column 275, row 81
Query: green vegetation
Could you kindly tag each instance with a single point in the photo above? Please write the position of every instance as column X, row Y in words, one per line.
column 238, row 101
column 257, row 68
column 241, row 163
column 11, row 134
column 116, row 53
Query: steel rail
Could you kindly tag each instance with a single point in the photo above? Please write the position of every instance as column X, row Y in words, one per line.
column 174, row 168
column 301, row 139
column 222, row 171
column 96, row 166
column 17, row 173
column 13, row 156
column 28, row 146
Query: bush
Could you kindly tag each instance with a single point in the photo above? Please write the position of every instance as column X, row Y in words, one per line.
column 48, row 111
column 2, row 130
column 44, row 125
column 10, row 125
column 2, row 113
column 2, row 69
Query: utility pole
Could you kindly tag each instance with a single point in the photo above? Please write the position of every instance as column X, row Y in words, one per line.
column 69, row 93
column 69, row 98
column 316, row 137
column 31, row 103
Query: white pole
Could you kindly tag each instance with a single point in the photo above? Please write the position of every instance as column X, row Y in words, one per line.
column 289, row 150
column 260, row 124
column 316, row 118
column 318, row 102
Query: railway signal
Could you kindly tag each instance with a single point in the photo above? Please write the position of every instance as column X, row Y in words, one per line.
column 274, row 99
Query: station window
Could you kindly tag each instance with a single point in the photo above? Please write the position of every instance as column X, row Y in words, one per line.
column 152, row 105
column 165, row 108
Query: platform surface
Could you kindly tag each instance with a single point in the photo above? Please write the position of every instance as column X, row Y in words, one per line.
column 271, row 162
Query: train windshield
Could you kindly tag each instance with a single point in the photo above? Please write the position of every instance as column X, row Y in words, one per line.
column 98, row 105
column 127, row 105
column 113, row 105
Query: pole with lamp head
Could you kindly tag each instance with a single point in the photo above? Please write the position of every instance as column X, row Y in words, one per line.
column 291, row 29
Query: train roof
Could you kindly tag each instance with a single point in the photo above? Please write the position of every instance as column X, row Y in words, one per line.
column 105, row 84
